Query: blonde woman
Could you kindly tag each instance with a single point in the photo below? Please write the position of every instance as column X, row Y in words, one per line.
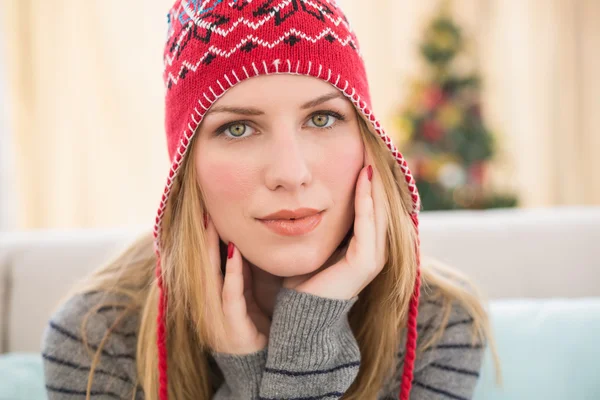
column 284, row 262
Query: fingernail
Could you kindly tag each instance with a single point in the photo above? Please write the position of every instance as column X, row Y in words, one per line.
column 230, row 248
column 205, row 220
column 370, row 172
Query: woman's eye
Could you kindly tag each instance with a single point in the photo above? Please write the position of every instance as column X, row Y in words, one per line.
column 322, row 120
column 235, row 130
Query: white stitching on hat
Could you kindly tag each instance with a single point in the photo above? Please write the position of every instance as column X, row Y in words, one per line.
column 227, row 79
column 297, row 66
column 206, row 97
column 222, row 88
column 320, row 69
column 202, row 105
column 236, row 77
column 337, row 80
column 329, row 74
column 276, row 63
column 246, row 72
column 255, row 69
column 289, row 63
column 309, row 67
column 266, row 69
column 213, row 92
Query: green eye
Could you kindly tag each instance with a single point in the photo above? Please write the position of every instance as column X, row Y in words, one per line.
column 237, row 129
column 320, row 120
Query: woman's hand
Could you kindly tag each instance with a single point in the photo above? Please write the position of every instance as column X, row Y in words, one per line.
column 366, row 253
column 246, row 325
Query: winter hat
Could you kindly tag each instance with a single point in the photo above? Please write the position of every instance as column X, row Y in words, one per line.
column 212, row 45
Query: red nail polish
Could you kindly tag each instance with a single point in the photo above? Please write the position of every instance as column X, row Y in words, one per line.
column 370, row 172
column 205, row 220
column 230, row 248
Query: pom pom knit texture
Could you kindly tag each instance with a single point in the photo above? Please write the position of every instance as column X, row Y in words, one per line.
column 214, row 45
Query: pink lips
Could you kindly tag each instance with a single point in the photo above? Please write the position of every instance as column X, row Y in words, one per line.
column 294, row 227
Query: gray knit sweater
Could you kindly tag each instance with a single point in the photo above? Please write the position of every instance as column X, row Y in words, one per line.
column 312, row 354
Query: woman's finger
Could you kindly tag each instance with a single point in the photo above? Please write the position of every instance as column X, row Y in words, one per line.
column 379, row 208
column 381, row 220
column 247, row 275
column 212, row 238
column 234, row 300
column 364, row 220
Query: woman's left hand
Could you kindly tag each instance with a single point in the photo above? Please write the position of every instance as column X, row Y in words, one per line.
column 366, row 253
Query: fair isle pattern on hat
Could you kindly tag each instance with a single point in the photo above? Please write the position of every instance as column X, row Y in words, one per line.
column 214, row 45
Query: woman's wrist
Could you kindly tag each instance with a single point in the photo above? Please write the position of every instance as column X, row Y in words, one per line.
column 309, row 330
column 242, row 372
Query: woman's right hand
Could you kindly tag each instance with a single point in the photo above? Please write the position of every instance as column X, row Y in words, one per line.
column 246, row 324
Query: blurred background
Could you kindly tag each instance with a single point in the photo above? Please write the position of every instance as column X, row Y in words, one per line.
column 494, row 102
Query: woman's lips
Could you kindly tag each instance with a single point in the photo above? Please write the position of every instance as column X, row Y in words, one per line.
column 297, row 227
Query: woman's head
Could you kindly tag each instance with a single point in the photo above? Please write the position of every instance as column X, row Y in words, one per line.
column 280, row 142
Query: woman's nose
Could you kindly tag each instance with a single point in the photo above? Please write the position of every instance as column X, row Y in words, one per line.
column 287, row 164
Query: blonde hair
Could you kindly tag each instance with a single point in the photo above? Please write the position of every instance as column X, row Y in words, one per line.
column 194, row 322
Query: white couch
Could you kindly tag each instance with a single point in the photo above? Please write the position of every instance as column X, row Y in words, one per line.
column 536, row 253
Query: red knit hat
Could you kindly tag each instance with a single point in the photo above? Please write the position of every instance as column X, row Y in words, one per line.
column 213, row 45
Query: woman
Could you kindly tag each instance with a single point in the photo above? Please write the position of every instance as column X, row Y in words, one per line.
column 284, row 261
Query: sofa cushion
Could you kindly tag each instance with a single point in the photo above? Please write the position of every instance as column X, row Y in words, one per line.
column 21, row 377
column 548, row 349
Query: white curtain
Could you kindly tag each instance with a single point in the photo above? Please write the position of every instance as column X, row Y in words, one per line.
column 543, row 63
column 86, row 98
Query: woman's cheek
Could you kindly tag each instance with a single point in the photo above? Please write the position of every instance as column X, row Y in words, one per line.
column 342, row 168
column 226, row 181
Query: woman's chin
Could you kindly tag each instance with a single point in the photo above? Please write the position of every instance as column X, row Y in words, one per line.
column 287, row 265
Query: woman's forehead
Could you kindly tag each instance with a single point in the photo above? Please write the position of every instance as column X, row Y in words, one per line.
column 279, row 90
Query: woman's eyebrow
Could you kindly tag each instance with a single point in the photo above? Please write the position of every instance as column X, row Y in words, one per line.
column 322, row 99
column 234, row 110
column 255, row 111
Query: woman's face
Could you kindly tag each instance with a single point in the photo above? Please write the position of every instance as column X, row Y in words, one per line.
column 280, row 142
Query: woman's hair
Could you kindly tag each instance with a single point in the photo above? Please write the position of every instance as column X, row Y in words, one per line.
column 194, row 321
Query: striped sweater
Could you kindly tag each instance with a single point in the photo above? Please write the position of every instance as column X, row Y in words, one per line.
column 312, row 354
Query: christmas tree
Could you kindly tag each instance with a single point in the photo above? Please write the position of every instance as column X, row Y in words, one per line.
column 445, row 139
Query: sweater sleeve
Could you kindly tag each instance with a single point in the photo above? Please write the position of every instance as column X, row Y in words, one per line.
column 242, row 375
column 312, row 352
column 67, row 359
